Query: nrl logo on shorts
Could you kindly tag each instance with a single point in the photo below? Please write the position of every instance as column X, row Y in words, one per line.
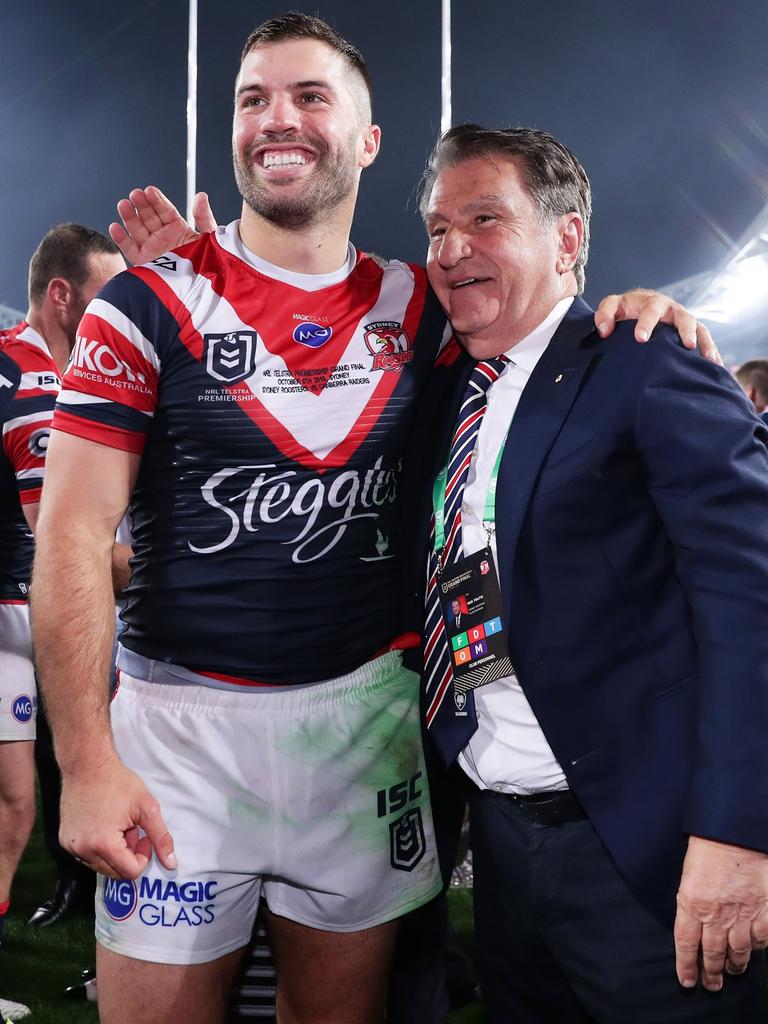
column 460, row 700
column 388, row 344
column 230, row 357
column 407, row 843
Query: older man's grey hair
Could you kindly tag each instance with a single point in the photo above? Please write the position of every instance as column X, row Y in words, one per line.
column 556, row 181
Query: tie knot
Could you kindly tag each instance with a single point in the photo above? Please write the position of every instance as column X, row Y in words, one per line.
column 487, row 371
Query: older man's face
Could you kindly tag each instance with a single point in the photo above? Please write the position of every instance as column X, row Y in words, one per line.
column 491, row 261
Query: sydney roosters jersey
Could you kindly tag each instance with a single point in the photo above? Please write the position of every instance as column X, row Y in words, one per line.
column 271, row 410
column 29, row 383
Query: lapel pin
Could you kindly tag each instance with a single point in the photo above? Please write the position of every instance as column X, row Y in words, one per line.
column 558, row 378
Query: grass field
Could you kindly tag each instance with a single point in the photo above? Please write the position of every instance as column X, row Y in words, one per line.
column 37, row 964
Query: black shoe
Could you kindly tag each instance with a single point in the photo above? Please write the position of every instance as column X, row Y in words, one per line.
column 69, row 894
column 83, row 989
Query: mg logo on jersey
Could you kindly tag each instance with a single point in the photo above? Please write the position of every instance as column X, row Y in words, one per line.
column 407, row 843
column 120, row 898
column 230, row 357
column 22, row 708
column 312, row 335
column 388, row 344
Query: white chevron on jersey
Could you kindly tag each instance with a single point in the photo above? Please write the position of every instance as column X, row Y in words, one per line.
column 126, row 327
column 318, row 422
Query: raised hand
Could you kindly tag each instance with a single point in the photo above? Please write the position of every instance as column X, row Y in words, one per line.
column 152, row 225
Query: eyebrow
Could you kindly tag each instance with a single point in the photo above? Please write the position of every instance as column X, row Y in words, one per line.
column 475, row 204
column 310, row 84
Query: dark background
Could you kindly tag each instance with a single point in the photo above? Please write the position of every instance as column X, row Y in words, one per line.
column 666, row 104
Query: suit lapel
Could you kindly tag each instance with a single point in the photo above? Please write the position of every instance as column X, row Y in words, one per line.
column 543, row 407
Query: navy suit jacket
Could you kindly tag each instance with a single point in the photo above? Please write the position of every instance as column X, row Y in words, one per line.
column 632, row 532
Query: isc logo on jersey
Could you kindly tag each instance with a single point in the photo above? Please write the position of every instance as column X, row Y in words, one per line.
column 162, row 902
column 312, row 335
column 22, row 708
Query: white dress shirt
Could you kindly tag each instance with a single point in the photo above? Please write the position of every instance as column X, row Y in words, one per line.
column 509, row 751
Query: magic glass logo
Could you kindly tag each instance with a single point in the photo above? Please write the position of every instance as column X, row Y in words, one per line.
column 161, row 902
column 311, row 334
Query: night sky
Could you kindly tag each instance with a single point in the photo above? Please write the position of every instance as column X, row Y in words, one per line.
column 665, row 103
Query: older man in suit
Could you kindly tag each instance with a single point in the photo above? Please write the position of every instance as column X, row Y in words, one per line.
column 608, row 700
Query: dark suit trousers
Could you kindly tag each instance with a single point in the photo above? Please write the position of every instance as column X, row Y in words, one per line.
column 562, row 940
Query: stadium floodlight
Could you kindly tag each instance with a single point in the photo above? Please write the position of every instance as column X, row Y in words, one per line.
column 736, row 293
column 733, row 298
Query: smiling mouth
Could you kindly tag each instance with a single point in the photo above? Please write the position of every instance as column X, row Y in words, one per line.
column 468, row 281
column 283, row 158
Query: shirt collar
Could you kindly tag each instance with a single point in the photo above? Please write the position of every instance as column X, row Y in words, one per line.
column 526, row 353
column 33, row 337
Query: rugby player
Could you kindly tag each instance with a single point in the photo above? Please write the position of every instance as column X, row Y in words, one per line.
column 68, row 268
column 250, row 393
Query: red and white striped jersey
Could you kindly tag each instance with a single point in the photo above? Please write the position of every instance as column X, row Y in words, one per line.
column 271, row 410
column 29, row 383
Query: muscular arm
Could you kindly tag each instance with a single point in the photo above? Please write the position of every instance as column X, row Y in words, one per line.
column 104, row 805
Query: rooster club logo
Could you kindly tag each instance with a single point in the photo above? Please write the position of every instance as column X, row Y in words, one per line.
column 311, row 334
column 388, row 344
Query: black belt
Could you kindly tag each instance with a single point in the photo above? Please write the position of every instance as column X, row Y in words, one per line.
column 554, row 808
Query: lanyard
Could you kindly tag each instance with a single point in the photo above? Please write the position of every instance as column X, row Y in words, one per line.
column 438, row 501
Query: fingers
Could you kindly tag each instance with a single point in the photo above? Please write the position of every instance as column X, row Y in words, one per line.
column 109, row 856
column 202, row 212
column 157, row 836
column 707, row 345
column 739, row 948
column 714, row 949
column 687, row 942
column 654, row 310
column 606, row 315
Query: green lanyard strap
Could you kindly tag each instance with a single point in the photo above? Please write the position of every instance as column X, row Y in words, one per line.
column 438, row 500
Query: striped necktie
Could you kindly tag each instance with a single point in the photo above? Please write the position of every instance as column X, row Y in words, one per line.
column 451, row 731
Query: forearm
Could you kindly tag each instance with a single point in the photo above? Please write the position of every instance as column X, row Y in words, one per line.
column 73, row 623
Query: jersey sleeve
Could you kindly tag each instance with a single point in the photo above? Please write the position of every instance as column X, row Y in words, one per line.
column 26, row 424
column 109, row 392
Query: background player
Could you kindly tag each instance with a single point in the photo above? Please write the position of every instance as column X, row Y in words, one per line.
column 71, row 264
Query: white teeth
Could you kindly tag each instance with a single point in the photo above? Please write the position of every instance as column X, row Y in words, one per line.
column 469, row 280
column 278, row 159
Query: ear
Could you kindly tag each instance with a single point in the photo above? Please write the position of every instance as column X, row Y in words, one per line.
column 60, row 292
column 371, row 143
column 570, row 230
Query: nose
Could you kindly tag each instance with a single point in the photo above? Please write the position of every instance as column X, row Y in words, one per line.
column 281, row 115
column 454, row 247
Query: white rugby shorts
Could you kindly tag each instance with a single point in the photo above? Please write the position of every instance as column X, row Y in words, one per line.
column 18, row 692
column 314, row 797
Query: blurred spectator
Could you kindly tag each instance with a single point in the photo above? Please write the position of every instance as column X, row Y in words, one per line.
column 753, row 378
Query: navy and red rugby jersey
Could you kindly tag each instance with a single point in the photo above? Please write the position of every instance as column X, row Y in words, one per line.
column 271, row 410
column 29, row 383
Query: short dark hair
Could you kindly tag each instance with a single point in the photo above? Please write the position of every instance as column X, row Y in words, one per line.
column 754, row 374
column 64, row 253
column 556, row 181
column 296, row 25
